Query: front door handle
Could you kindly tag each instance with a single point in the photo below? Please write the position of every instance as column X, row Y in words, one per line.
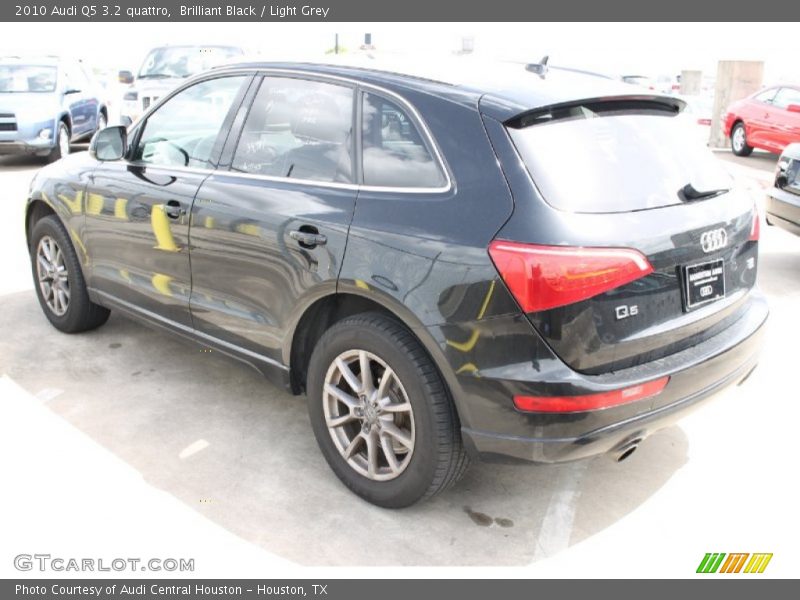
column 308, row 239
column 173, row 209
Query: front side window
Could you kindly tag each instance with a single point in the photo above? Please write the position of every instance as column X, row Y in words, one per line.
column 75, row 78
column 182, row 132
column 298, row 129
column 394, row 152
column 786, row 96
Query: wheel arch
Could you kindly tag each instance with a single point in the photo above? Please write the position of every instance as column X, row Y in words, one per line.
column 65, row 118
column 348, row 300
column 36, row 210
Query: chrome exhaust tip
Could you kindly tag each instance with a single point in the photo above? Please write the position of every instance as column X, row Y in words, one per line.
column 626, row 450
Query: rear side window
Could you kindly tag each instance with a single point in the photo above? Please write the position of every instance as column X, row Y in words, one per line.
column 298, row 129
column 394, row 153
column 614, row 158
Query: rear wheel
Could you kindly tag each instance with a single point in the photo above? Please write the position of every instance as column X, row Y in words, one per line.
column 59, row 281
column 739, row 141
column 381, row 414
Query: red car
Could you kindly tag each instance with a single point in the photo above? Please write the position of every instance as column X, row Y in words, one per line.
column 769, row 120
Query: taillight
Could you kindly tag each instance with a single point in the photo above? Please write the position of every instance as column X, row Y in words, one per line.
column 545, row 277
column 755, row 228
column 568, row 404
column 704, row 121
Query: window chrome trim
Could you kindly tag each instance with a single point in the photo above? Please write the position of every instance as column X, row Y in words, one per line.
column 179, row 168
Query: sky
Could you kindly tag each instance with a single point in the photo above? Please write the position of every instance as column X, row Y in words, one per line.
column 651, row 49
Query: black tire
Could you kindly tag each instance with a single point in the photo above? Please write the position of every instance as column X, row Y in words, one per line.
column 740, row 148
column 102, row 121
column 81, row 314
column 57, row 152
column 438, row 459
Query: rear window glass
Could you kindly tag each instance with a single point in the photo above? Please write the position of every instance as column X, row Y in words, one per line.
column 394, row 152
column 598, row 160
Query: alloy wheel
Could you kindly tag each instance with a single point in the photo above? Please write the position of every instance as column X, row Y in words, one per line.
column 63, row 141
column 738, row 139
column 51, row 270
column 368, row 415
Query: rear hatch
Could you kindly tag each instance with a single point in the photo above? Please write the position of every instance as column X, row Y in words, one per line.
column 638, row 247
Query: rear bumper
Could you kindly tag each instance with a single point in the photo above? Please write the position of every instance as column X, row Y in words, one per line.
column 783, row 210
column 696, row 375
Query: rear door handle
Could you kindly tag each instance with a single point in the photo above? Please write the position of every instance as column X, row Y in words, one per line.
column 173, row 209
column 308, row 239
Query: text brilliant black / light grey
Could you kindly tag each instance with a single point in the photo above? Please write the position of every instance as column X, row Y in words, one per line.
column 281, row 11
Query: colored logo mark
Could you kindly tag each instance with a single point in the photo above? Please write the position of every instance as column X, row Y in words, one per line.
column 719, row 562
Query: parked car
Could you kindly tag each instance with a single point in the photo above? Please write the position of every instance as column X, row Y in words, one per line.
column 46, row 103
column 783, row 200
column 531, row 264
column 768, row 120
column 163, row 69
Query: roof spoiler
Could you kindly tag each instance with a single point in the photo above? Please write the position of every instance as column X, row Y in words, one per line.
column 598, row 107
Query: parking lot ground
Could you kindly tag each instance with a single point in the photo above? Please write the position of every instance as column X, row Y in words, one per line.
column 129, row 442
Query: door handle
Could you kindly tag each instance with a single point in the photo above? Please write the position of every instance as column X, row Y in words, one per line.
column 308, row 238
column 173, row 209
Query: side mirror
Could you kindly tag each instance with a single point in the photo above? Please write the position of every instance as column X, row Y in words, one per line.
column 125, row 77
column 795, row 108
column 110, row 143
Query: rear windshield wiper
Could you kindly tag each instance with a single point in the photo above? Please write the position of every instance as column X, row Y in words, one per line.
column 688, row 193
column 156, row 76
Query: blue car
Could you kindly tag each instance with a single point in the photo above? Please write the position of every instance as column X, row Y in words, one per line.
column 45, row 104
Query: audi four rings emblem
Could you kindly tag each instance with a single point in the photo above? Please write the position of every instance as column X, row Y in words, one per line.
column 713, row 240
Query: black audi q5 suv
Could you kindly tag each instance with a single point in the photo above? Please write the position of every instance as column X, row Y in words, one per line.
column 514, row 262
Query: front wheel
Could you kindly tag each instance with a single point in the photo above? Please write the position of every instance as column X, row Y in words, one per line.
column 739, row 141
column 61, row 149
column 381, row 413
column 59, row 281
column 102, row 122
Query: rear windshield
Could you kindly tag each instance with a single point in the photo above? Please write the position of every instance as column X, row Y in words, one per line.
column 598, row 159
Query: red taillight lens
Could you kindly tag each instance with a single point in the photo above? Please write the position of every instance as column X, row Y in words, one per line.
column 755, row 228
column 545, row 277
column 568, row 404
column 704, row 121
